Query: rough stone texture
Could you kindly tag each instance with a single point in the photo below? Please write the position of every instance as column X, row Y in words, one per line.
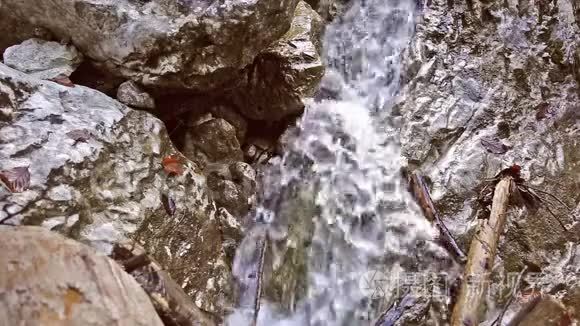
column 232, row 117
column 548, row 312
column 213, row 140
column 501, row 71
column 329, row 9
column 133, row 95
column 177, row 44
column 233, row 186
column 97, row 176
column 43, row 59
column 273, row 86
column 47, row 279
column 493, row 70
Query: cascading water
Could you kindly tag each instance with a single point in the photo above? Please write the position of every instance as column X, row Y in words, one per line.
column 335, row 198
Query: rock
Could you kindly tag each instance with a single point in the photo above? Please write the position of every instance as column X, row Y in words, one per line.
column 15, row 31
column 233, row 118
column 329, row 9
column 273, row 86
column 43, row 59
column 548, row 312
column 108, row 185
column 233, row 186
column 213, row 141
column 50, row 280
column 172, row 44
column 171, row 303
column 465, row 115
column 133, row 95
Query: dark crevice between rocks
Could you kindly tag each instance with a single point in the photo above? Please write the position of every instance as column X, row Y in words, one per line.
column 89, row 75
column 182, row 110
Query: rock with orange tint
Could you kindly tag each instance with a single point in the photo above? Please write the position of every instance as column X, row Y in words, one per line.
column 47, row 279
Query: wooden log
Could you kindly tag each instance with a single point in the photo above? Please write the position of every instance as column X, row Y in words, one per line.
column 421, row 194
column 481, row 258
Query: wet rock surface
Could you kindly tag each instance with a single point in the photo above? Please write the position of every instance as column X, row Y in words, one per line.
column 273, row 86
column 133, row 95
column 171, row 44
column 470, row 107
column 232, row 186
column 97, row 175
column 212, row 141
column 43, row 59
column 48, row 279
column 329, row 9
column 491, row 84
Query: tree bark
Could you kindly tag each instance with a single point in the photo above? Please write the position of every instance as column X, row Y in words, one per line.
column 481, row 258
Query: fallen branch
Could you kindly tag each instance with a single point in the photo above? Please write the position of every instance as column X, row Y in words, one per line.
column 525, row 310
column 173, row 305
column 259, row 279
column 423, row 198
column 481, row 257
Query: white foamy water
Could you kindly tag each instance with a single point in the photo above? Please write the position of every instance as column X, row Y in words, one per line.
column 345, row 157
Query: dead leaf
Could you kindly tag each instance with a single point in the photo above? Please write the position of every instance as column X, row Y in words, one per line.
column 494, row 145
column 173, row 164
column 16, row 179
column 79, row 135
column 63, row 80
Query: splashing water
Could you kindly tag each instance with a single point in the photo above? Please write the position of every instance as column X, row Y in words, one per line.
column 335, row 202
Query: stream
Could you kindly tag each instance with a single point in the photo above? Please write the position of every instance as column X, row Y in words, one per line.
column 333, row 212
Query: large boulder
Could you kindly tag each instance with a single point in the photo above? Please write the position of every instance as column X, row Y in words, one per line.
column 43, row 59
column 101, row 173
column 187, row 44
column 48, row 279
column 273, row 86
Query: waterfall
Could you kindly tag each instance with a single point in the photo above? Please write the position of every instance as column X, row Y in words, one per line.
column 335, row 202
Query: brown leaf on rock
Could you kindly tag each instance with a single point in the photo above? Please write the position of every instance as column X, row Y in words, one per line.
column 173, row 164
column 63, row 80
column 16, row 179
column 79, row 135
column 494, row 145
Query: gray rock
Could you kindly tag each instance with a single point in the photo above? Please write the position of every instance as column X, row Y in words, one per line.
column 43, row 59
column 233, row 186
column 273, row 86
column 176, row 44
column 213, row 141
column 109, row 185
column 485, row 73
column 234, row 118
column 133, row 95
column 329, row 9
column 48, row 279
